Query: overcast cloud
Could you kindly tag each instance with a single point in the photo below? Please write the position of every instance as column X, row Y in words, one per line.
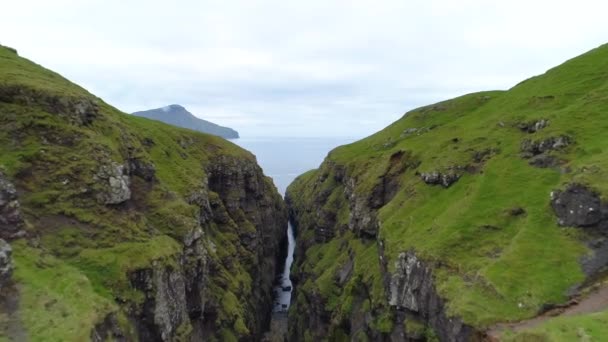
column 305, row 68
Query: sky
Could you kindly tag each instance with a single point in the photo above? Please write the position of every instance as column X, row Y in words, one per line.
column 299, row 68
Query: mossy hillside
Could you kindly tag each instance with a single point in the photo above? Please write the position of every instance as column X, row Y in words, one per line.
column 494, row 266
column 53, row 163
column 59, row 302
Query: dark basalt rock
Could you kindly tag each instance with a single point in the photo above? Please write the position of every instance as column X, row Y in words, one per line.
column 6, row 263
column 531, row 148
column 440, row 178
column 164, row 308
column 108, row 330
column 144, row 170
column 544, row 161
column 11, row 220
column 344, row 273
column 115, row 180
column 533, row 126
column 578, row 206
column 412, row 290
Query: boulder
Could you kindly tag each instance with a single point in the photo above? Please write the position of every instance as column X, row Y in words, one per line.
column 533, row 126
column 578, row 206
column 116, row 183
column 440, row 178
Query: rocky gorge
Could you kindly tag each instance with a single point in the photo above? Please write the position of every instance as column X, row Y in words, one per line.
column 120, row 228
column 480, row 218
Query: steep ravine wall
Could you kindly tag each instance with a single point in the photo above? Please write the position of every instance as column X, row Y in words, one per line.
column 408, row 303
column 114, row 227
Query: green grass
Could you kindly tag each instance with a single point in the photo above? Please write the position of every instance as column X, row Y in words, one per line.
column 53, row 163
column 494, row 267
column 57, row 301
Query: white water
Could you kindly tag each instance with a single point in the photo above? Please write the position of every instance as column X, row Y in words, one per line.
column 284, row 159
column 283, row 297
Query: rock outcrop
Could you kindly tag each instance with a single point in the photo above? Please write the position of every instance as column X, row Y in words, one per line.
column 116, row 183
column 412, row 290
column 168, row 234
column 533, row 126
column 578, row 206
column 531, row 148
column 445, row 179
column 11, row 219
column 6, row 263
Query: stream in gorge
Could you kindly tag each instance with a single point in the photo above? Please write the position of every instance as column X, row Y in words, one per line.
column 283, row 159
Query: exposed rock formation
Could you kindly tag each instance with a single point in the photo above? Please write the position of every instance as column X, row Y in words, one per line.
column 412, row 290
column 6, row 262
column 580, row 207
column 533, row 126
column 445, row 179
column 108, row 330
column 181, row 228
column 531, row 148
column 116, row 183
column 11, row 220
column 164, row 310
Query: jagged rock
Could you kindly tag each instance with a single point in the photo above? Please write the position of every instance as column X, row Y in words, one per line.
column 108, row 330
column 11, row 220
column 361, row 220
column 247, row 199
column 440, row 178
column 165, row 307
column 345, row 272
column 412, row 288
column 530, row 148
column 534, row 126
column 116, row 183
column 544, row 161
column 578, row 206
column 142, row 169
column 6, row 262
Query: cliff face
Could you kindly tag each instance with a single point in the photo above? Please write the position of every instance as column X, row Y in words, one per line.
column 121, row 228
column 461, row 215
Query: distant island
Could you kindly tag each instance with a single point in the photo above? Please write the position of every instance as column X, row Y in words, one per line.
column 177, row 115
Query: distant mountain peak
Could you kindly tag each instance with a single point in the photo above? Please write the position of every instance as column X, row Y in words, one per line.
column 177, row 115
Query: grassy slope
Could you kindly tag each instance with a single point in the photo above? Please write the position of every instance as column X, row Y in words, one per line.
column 490, row 275
column 90, row 245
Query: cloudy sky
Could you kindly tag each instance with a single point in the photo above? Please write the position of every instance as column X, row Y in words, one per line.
column 304, row 68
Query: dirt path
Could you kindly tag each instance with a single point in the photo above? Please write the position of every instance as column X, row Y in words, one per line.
column 595, row 301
